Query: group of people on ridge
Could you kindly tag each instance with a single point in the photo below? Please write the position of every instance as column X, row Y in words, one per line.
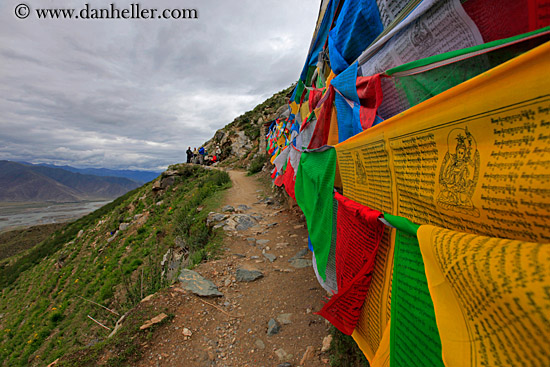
column 201, row 156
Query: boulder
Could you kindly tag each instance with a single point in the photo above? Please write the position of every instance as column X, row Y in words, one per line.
column 167, row 182
column 219, row 135
column 241, row 145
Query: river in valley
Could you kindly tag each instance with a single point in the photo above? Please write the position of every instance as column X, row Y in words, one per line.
column 18, row 215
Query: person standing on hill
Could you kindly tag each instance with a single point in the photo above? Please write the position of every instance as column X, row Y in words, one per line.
column 189, row 153
column 202, row 153
column 195, row 156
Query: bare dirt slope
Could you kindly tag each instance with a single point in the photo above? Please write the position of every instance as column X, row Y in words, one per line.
column 232, row 330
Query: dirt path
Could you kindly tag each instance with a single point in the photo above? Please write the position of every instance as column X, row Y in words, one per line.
column 232, row 330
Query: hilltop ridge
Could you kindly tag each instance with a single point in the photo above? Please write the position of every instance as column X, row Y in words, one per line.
column 239, row 140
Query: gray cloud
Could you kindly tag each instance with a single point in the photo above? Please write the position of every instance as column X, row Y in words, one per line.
column 135, row 93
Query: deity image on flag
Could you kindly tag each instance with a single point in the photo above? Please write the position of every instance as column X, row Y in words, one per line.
column 421, row 37
column 360, row 172
column 459, row 173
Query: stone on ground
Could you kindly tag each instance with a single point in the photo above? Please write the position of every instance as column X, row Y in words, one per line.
column 193, row 282
column 308, row 355
column 262, row 242
column 243, row 207
column 273, row 327
column 228, row 209
column 301, row 263
column 300, row 254
column 283, row 355
column 244, row 275
column 285, row 318
column 327, row 340
column 244, row 222
column 270, row 257
column 153, row 321
column 260, row 344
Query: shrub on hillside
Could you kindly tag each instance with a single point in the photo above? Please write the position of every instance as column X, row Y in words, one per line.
column 257, row 164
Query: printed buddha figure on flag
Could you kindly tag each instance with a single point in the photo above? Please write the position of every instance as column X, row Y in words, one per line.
column 459, row 173
column 360, row 171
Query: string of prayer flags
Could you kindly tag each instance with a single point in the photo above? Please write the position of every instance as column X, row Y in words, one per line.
column 369, row 92
column 438, row 113
column 501, row 19
column 460, row 160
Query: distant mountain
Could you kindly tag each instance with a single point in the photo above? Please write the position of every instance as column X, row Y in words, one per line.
column 135, row 175
column 22, row 182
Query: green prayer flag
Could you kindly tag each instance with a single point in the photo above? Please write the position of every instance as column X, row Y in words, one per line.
column 314, row 194
column 414, row 337
column 422, row 79
column 299, row 90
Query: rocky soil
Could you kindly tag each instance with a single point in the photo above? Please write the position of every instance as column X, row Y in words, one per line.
column 255, row 305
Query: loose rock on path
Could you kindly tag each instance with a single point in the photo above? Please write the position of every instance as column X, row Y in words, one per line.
column 269, row 245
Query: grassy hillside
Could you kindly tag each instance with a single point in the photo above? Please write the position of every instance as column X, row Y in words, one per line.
column 111, row 257
column 16, row 241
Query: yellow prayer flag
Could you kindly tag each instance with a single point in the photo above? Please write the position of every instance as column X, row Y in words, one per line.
column 294, row 107
column 382, row 356
column 330, row 77
column 304, row 110
column 491, row 298
column 333, row 132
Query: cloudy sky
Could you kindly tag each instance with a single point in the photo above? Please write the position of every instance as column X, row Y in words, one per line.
column 134, row 94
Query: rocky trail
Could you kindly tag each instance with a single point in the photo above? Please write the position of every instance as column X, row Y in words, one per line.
column 264, row 294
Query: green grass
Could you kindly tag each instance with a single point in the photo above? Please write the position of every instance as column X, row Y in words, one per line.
column 44, row 316
column 125, row 347
column 257, row 164
column 17, row 241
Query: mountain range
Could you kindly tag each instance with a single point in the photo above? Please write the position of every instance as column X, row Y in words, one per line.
column 134, row 175
column 21, row 182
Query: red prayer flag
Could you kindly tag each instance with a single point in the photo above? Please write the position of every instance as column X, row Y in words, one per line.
column 322, row 129
column 369, row 90
column 289, row 179
column 358, row 234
